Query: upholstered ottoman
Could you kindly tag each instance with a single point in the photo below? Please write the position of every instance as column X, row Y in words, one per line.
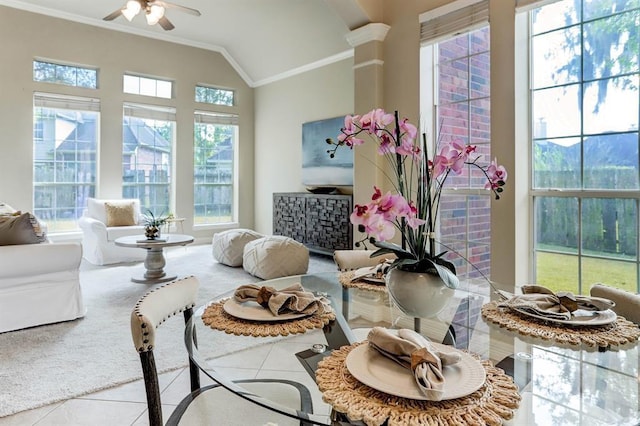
column 227, row 247
column 275, row 256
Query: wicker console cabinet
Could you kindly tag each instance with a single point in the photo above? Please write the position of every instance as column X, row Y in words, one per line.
column 319, row 221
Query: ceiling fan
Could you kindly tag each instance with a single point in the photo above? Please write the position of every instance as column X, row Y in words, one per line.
column 154, row 11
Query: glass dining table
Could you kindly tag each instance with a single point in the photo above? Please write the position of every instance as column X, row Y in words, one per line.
column 558, row 384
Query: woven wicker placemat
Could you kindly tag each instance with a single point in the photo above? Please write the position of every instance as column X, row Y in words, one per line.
column 617, row 333
column 493, row 403
column 217, row 318
column 346, row 277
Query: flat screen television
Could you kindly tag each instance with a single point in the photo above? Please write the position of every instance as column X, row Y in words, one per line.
column 318, row 169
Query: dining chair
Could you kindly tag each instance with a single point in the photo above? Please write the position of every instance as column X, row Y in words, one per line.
column 210, row 404
column 627, row 303
column 350, row 260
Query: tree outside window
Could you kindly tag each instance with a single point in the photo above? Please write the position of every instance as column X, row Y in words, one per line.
column 585, row 99
column 214, row 167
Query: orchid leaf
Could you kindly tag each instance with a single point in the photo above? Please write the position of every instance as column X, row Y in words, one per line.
column 448, row 278
column 385, row 247
column 450, row 266
column 445, row 270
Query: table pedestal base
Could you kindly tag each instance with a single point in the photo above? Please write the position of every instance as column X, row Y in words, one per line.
column 154, row 265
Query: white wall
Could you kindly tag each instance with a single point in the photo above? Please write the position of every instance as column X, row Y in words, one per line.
column 280, row 110
column 26, row 36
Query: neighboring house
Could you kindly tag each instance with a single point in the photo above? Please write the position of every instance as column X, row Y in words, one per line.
column 67, row 149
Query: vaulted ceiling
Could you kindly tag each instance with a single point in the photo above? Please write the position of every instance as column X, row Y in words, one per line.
column 264, row 40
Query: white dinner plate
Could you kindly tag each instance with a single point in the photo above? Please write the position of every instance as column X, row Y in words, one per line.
column 579, row 317
column 253, row 311
column 373, row 280
column 368, row 366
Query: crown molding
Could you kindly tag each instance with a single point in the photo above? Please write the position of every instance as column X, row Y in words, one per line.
column 305, row 68
column 370, row 32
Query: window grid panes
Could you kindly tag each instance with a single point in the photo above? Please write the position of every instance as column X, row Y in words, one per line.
column 64, row 164
column 585, row 98
column 214, row 159
column 212, row 95
column 147, row 159
column 147, row 86
column 67, row 75
column 463, row 114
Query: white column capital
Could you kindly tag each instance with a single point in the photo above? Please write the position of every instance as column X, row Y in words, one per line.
column 367, row 33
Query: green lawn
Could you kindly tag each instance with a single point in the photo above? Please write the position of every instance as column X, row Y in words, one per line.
column 560, row 272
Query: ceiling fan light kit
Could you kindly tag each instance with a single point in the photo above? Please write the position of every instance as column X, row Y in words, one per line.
column 154, row 12
column 131, row 9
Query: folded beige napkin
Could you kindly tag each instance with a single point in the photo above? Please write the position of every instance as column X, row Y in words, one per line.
column 416, row 353
column 373, row 273
column 541, row 301
column 293, row 299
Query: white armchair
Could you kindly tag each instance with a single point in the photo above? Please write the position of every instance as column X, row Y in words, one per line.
column 39, row 284
column 98, row 239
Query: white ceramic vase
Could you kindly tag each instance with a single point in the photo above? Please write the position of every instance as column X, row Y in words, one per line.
column 418, row 294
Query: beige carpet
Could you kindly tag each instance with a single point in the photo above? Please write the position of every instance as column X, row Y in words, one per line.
column 55, row 362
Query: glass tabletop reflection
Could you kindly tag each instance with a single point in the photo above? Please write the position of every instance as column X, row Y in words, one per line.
column 558, row 385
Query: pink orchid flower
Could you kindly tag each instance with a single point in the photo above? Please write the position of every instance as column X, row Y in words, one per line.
column 376, row 120
column 387, row 145
column 409, row 149
column 452, row 156
column 362, row 214
column 412, row 218
column 409, row 130
column 380, row 228
column 496, row 173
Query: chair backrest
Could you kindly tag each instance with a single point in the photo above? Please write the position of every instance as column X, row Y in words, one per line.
column 627, row 304
column 349, row 260
column 149, row 312
column 96, row 208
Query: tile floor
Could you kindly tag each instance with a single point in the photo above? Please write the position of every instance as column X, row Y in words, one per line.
column 126, row 404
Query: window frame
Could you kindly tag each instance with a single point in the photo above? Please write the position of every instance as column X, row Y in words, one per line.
column 207, row 88
column 219, row 118
column 75, row 67
column 582, row 194
column 430, row 106
column 72, row 104
column 140, row 78
column 153, row 113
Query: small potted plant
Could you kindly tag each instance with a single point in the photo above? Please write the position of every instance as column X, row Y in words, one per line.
column 152, row 225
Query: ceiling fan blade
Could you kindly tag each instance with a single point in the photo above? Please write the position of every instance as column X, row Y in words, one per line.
column 113, row 15
column 165, row 24
column 184, row 9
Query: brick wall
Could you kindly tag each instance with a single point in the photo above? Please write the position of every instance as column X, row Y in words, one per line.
column 464, row 115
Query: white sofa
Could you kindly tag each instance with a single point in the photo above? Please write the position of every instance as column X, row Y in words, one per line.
column 98, row 240
column 39, row 284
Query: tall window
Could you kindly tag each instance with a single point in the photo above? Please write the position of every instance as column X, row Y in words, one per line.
column 456, row 70
column 65, row 138
column 584, row 91
column 214, row 146
column 147, row 156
